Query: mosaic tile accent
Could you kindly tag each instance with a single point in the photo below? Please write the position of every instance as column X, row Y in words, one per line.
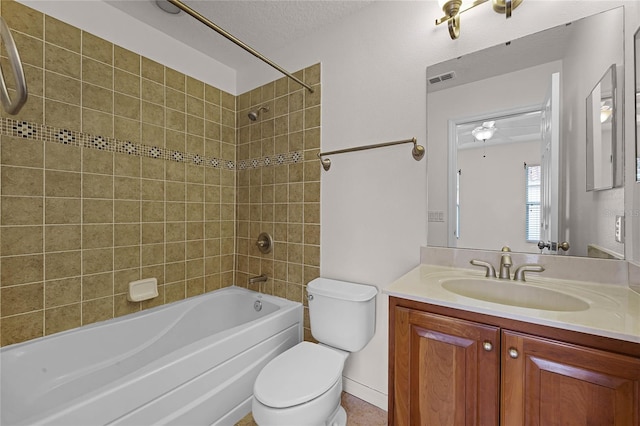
column 26, row 130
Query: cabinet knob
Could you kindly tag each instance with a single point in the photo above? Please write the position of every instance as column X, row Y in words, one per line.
column 513, row 353
column 487, row 346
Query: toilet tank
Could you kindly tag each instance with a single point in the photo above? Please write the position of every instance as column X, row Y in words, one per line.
column 342, row 314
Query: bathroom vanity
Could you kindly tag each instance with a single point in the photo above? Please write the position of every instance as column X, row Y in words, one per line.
column 496, row 357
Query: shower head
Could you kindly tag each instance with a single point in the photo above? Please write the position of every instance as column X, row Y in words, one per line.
column 253, row 115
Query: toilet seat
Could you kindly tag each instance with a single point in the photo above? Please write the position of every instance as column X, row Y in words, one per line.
column 298, row 375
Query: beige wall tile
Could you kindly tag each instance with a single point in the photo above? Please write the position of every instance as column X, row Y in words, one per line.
column 62, row 238
column 152, row 70
column 127, row 234
column 62, row 210
column 97, row 161
column 62, row 157
column 152, row 92
column 97, row 260
column 126, row 60
column 31, row 49
column 126, row 257
column 126, row 106
column 97, row 73
column 62, row 265
column 126, row 129
column 97, row 236
column 21, row 181
column 97, row 310
column 62, row 292
column 97, row 186
column 126, row 82
column 21, row 152
column 62, row 61
column 97, row 48
column 97, row 286
column 97, row 98
column 24, row 19
column 62, row 88
column 62, row 318
column 21, row 299
column 62, row 34
column 126, row 188
column 21, row 210
column 62, row 184
column 97, row 122
column 126, row 211
column 62, row 115
column 97, row 211
column 21, row 240
column 127, row 165
column 21, row 269
column 23, row 327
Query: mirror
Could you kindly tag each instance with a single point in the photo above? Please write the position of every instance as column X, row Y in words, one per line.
column 601, row 132
column 512, row 122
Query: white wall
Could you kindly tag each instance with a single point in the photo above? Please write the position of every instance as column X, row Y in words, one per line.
column 493, row 195
column 374, row 203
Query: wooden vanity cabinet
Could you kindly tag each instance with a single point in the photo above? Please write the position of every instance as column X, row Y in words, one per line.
column 450, row 367
column 546, row 382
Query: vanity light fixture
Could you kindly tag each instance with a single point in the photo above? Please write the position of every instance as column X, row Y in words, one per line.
column 453, row 8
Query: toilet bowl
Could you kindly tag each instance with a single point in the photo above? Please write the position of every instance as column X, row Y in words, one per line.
column 303, row 385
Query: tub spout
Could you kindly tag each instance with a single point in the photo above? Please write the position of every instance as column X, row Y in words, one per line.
column 258, row 279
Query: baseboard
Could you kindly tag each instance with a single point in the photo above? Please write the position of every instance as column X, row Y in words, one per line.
column 365, row 393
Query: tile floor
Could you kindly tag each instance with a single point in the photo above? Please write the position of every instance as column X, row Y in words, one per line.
column 359, row 413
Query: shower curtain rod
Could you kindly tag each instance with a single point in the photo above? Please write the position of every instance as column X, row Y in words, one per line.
column 225, row 34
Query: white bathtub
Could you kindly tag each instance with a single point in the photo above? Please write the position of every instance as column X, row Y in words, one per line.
column 192, row 362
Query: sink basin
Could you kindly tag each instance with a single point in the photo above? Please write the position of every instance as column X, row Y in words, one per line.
column 514, row 294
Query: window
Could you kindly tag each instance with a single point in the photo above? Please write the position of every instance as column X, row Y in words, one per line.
column 532, row 196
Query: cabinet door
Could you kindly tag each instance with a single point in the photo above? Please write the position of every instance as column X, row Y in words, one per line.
column 446, row 371
column 549, row 383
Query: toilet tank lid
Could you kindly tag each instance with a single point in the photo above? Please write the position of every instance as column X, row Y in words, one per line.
column 343, row 290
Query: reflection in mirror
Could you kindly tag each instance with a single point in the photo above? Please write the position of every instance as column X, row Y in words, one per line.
column 601, row 132
column 508, row 120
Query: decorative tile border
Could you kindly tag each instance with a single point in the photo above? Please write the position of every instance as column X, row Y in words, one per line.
column 27, row 130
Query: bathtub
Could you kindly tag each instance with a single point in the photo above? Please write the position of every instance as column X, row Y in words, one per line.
column 191, row 362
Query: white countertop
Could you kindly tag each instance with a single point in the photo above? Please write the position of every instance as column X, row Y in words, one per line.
column 614, row 310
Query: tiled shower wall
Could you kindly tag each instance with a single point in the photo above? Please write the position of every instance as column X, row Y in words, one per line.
column 117, row 168
column 278, row 198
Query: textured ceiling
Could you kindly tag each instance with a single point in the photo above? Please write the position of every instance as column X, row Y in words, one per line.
column 265, row 25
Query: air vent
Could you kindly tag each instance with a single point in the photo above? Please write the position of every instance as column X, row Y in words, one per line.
column 442, row 77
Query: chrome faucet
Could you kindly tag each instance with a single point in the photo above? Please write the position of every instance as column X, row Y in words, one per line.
column 505, row 264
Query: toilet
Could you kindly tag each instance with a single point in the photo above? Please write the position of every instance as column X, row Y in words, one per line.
column 303, row 385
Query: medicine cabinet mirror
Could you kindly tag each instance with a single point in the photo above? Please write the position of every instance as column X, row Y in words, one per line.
column 601, row 133
column 512, row 122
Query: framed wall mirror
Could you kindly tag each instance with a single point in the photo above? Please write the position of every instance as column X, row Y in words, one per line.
column 601, row 133
column 511, row 120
